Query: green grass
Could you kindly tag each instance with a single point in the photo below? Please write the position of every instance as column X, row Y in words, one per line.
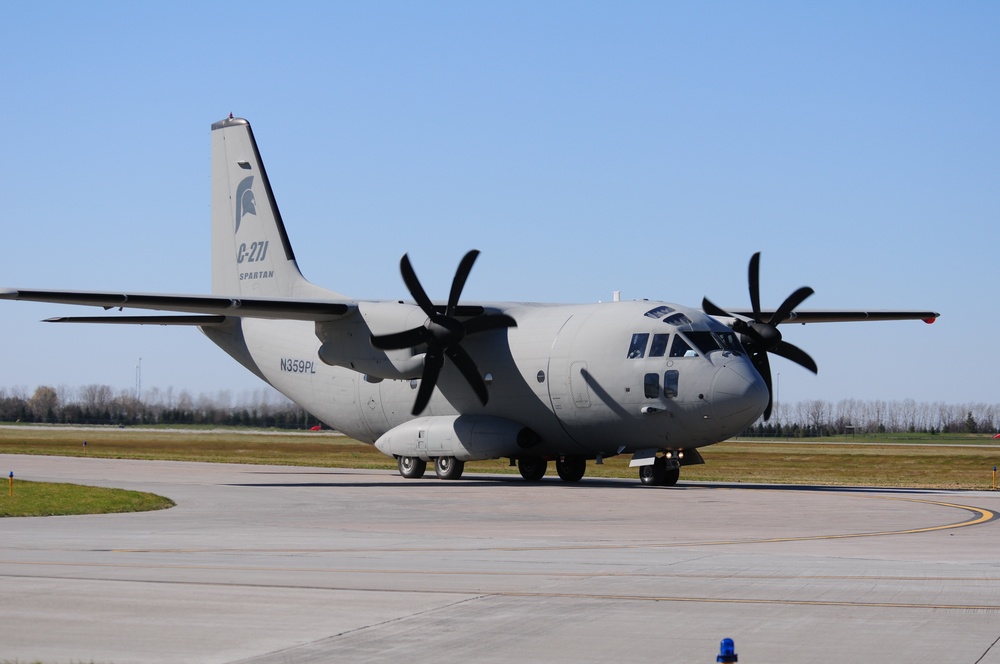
column 52, row 499
column 893, row 460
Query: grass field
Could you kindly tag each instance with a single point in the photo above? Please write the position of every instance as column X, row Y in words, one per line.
column 50, row 499
column 959, row 461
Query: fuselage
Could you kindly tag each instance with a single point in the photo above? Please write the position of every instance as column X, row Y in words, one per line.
column 589, row 380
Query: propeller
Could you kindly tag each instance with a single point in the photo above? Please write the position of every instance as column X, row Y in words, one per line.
column 443, row 333
column 761, row 337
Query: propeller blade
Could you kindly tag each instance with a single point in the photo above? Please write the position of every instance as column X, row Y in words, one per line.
column 763, row 366
column 465, row 364
column 400, row 340
column 458, row 283
column 795, row 354
column 413, row 285
column 442, row 333
column 792, row 301
column 753, row 277
column 489, row 322
column 712, row 309
column 761, row 337
column 432, row 368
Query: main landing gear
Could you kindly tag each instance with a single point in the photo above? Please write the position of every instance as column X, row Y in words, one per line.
column 659, row 473
column 532, row 468
column 412, row 468
column 569, row 468
column 446, row 468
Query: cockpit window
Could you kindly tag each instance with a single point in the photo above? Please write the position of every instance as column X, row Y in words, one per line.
column 705, row 341
column 729, row 341
column 677, row 319
column 637, row 348
column 659, row 346
column 680, row 348
column 659, row 312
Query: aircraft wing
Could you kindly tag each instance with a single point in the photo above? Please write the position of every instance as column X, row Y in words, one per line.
column 210, row 306
column 841, row 316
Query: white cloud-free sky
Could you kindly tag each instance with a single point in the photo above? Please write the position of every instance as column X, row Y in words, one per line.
column 647, row 147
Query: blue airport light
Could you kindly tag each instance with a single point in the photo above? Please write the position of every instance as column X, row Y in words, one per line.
column 727, row 651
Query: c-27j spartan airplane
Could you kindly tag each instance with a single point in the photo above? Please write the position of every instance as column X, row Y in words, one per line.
column 448, row 382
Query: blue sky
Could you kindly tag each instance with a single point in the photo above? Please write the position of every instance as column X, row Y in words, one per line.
column 647, row 147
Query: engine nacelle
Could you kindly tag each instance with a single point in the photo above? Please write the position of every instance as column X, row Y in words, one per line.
column 348, row 344
column 465, row 437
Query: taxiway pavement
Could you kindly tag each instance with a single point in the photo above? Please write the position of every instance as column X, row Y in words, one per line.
column 279, row 564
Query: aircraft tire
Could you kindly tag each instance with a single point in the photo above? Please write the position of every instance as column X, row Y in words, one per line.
column 571, row 468
column 532, row 469
column 448, row 468
column 412, row 468
column 671, row 476
column 654, row 474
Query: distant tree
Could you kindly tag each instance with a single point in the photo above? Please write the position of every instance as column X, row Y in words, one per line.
column 43, row 403
column 970, row 425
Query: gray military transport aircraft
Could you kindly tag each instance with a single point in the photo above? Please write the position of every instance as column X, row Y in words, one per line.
column 427, row 381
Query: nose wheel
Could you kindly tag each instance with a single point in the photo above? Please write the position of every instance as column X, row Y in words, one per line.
column 659, row 473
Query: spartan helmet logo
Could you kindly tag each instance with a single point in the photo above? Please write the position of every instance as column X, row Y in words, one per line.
column 245, row 202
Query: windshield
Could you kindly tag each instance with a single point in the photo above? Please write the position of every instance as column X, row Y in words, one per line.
column 709, row 341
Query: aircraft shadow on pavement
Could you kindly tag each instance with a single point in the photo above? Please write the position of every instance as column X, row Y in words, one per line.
column 553, row 482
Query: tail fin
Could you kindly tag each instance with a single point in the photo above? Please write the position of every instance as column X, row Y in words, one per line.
column 251, row 254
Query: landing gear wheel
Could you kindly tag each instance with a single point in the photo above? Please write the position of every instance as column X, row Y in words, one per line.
column 448, row 468
column 671, row 477
column 571, row 468
column 412, row 468
column 655, row 473
column 532, row 468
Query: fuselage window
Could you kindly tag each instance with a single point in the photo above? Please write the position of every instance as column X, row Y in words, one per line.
column 637, row 348
column 659, row 312
column 651, row 385
column 670, row 383
column 677, row 319
column 680, row 348
column 659, row 347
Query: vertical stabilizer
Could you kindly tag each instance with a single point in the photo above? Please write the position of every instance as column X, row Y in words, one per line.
column 251, row 254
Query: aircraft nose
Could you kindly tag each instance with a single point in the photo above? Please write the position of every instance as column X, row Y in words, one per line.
column 739, row 394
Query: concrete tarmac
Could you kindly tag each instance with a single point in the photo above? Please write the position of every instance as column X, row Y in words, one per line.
column 278, row 564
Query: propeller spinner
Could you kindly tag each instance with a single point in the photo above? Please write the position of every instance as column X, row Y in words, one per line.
column 443, row 333
column 761, row 337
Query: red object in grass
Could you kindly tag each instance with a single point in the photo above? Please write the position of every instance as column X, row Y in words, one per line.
column 996, row 436
column 318, row 427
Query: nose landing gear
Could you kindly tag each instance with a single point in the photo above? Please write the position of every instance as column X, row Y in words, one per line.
column 662, row 472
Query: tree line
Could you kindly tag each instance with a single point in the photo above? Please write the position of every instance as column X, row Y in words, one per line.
column 826, row 418
column 100, row 404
